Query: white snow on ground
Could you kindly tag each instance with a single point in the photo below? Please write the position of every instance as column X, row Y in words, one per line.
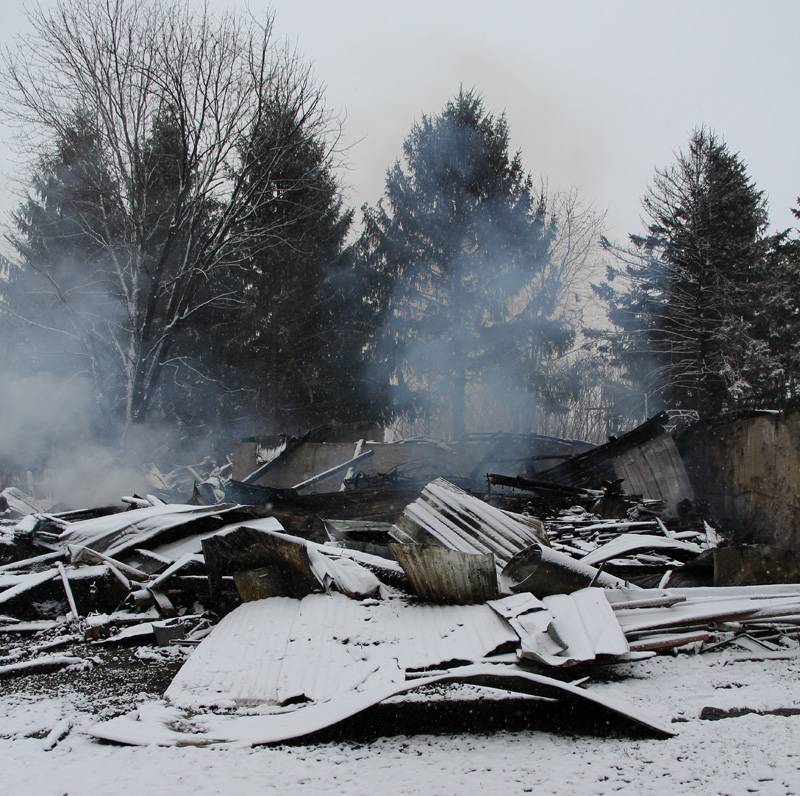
column 751, row 754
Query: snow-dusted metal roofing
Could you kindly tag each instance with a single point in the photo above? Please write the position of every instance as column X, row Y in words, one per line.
column 702, row 610
column 627, row 543
column 448, row 516
column 280, row 649
column 169, row 726
column 115, row 533
column 564, row 629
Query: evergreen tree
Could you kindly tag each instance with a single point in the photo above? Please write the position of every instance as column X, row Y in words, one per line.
column 455, row 247
column 65, row 304
column 290, row 346
column 685, row 310
column 60, row 302
column 160, row 81
column 281, row 334
column 776, row 310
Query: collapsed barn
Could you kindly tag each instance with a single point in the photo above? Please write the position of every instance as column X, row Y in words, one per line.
column 309, row 579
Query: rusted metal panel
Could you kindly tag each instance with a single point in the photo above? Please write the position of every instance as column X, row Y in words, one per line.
column 440, row 575
column 598, row 463
column 748, row 472
column 288, row 573
column 749, row 565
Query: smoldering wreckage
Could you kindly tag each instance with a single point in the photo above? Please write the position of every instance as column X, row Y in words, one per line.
column 309, row 579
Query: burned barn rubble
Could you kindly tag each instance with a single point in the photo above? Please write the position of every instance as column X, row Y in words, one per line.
column 307, row 580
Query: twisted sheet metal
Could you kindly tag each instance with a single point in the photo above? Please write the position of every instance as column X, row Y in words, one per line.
column 282, row 650
column 448, row 516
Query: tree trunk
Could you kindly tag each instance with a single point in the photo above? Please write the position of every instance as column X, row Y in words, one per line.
column 459, row 389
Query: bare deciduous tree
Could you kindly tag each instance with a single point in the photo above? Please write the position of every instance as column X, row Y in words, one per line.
column 129, row 66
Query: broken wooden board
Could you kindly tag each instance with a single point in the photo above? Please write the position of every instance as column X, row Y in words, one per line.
column 26, row 583
column 42, row 665
column 662, row 641
column 131, row 636
column 296, row 566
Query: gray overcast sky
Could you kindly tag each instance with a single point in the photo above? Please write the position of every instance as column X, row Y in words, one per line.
column 597, row 93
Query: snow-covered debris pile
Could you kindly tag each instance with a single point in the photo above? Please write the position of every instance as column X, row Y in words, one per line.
column 285, row 635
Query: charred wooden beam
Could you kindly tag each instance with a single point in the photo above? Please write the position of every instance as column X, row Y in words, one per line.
column 547, row 487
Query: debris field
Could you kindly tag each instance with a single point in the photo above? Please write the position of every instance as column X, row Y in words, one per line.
column 323, row 609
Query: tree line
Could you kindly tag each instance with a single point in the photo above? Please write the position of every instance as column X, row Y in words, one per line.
column 186, row 249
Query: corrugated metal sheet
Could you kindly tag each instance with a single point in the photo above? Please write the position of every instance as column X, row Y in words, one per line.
column 281, row 650
column 587, row 623
column 627, row 543
column 166, row 726
column 448, row 516
column 440, row 575
column 116, row 533
column 564, row 629
column 646, row 457
column 655, row 469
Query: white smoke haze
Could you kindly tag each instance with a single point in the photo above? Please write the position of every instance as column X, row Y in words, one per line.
column 47, row 428
column 536, row 307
